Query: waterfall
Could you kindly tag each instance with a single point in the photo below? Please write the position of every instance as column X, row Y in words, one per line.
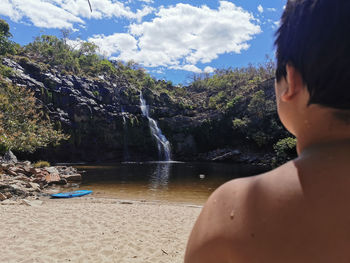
column 125, row 128
column 163, row 144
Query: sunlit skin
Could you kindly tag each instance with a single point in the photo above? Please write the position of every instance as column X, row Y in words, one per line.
column 298, row 212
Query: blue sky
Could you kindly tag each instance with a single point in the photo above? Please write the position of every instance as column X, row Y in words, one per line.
column 172, row 39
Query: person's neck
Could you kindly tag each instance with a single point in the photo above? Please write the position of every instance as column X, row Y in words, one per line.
column 321, row 146
column 325, row 135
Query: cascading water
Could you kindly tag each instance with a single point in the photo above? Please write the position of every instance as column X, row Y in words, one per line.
column 162, row 142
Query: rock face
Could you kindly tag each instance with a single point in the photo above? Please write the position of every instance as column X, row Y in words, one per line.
column 90, row 111
column 103, row 118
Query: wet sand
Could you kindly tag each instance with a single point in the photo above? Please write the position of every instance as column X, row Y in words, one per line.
column 95, row 230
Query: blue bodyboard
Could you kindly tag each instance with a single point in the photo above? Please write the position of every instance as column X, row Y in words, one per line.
column 72, row 194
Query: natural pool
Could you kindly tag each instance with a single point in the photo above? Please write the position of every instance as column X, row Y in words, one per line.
column 165, row 181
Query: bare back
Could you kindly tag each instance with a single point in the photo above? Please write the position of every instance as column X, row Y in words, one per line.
column 298, row 212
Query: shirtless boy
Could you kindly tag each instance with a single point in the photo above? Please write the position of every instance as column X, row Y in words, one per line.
column 299, row 212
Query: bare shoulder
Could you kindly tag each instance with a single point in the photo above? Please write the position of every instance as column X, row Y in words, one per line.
column 211, row 234
column 229, row 218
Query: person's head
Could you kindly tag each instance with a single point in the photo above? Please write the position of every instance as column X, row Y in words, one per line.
column 313, row 62
column 314, row 41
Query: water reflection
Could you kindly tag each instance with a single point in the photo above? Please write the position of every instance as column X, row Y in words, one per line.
column 160, row 177
column 169, row 181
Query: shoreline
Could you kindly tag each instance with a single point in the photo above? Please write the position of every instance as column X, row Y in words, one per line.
column 89, row 229
column 114, row 200
column 136, row 197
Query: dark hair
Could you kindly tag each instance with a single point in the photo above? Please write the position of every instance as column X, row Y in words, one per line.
column 314, row 37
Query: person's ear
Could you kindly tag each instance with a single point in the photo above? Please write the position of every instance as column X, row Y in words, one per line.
column 294, row 83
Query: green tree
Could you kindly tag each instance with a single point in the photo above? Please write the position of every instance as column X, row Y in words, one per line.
column 257, row 105
column 6, row 46
column 23, row 126
column 4, row 28
column 285, row 148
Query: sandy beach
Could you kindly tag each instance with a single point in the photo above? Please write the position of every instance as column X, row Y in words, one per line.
column 95, row 230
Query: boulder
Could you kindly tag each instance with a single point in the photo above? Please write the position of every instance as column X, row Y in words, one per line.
column 34, row 186
column 2, row 197
column 55, row 179
column 21, row 177
column 5, row 166
column 35, row 171
column 24, row 164
column 30, row 67
column 72, row 177
column 52, row 170
column 11, row 172
column 9, row 157
column 3, row 185
column 8, row 195
column 65, row 170
column 26, row 170
column 39, row 176
column 21, row 180
column 17, row 189
column 15, row 169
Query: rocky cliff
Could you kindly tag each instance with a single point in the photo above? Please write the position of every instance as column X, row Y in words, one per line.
column 104, row 120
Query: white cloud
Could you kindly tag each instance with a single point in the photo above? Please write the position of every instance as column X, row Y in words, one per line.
column 160, row 71
column 41, row 13
column 65, row 13
column 181, row 36
column 271, row 9
column 260, row 9
column 120, row 41
column 209, row 69
column 8, row 9
column 276, row 24
column 75, row 44
column 144, row 1
column 272, row 23
column 147, row 1
column 191, row 68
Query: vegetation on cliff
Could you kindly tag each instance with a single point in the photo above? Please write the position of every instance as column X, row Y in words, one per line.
column 240, row 93
column 23, row 124
column 54, row 52
column 6, row 45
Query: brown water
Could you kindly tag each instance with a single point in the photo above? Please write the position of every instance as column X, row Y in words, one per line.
column 190, row 183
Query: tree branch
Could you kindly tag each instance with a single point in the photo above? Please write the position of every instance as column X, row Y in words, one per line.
column 90, row 6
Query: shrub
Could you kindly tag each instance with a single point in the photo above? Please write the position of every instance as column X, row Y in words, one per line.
column 285, row 148
column 6, row 71
column 6, row 45
column 257, row 105
column 217, row 100
column 240, row 124
column 23, row 124
column 106, row 67
column 41, row 164
column 260, row 138
column 232, row 103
